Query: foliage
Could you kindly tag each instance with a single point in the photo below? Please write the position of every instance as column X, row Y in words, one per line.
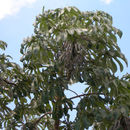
column 68, row 46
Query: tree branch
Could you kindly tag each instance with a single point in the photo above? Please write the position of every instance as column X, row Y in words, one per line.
column 37, row 121
column 88, row 94
column 34, row 123
column 8, row 82
column 73, row 92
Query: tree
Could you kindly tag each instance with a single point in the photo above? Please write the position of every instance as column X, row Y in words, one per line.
column 68, row 46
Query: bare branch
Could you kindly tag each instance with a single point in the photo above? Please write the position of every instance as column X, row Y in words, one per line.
column 88, row 94
column 37, row 121
column 73, row 92
column 8, row 82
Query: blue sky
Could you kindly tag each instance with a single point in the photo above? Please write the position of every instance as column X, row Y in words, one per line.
column 18, row 16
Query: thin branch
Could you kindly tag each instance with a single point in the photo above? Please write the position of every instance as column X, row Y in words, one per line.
column 8, row 82
column 88, row 94
column 73, row 92
column 37, row 121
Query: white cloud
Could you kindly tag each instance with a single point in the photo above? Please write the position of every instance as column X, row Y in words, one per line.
column 11, row 7
column 107, row 1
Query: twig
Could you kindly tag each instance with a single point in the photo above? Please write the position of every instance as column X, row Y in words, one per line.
column 73, row 92
column 37, row 121
column 88, row 94
column 8, row 82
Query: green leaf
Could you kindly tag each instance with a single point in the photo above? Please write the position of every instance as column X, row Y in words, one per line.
column 112, row 36
column 119, row 32
column 114, row 67
column 45, row 97
column 120, row 64
column 3, row 45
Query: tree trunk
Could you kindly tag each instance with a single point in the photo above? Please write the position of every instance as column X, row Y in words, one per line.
column 56, row 125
